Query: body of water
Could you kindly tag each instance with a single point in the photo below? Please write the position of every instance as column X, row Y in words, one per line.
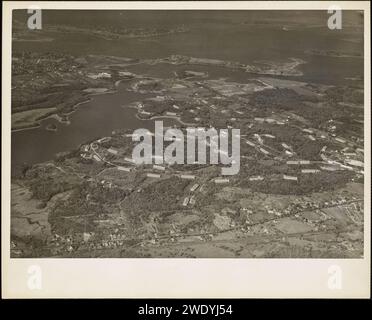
column 245, row 37
column 93, row 119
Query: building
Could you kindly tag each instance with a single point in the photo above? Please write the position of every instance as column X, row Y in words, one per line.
column 256, row 178
column 95, row 157
column 192, row 200
column 250, row 143
column 86, row 236
column 311, row 138
column 288, row 152
column 194, row 187
column 101, row 75
column 329, row 168
column 112, row 151
column 126, row 74
column 259, row 139
column 286, row 177
column 219, row 180
column 187, row 176
column 293, row 162
column 86, row 156
column 185, row 202
column 153, row 175
column 355, row 163
column 156, row 167
column 340, row 140
column 310, row 170
column 308, row 130
column 124, row 169
column 264, row 151
column 269, row 120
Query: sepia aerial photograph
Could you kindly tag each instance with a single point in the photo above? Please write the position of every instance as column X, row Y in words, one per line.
column 187, row 134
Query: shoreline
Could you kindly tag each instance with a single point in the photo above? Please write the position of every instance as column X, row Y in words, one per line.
column 56, row 116
column 293, row 64
column 167, row 117
column 245, row 68
column 178, row 118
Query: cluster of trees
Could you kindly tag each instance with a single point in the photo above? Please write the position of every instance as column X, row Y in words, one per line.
column 45, row 182
column 27, row 63
column 344, row 94
column 289, row 100
column 324, row 181
column 284, row 99
column 157, row 107
column 88, row 199
column 162, row 195
column 309, row 150
column 150, row 85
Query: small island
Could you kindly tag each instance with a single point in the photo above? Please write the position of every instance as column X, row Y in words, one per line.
column 51, row 127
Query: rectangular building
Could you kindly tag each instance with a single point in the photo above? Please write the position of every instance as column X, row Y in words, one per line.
column 285, row 177
column 293, row 162
column 219, row 180
column 310, row 170
column 256, row 178
column 185, row 202
column 264, row 151
column 153, row 175
column 187, row 176
column 311, row 138
column 156, row 167
column 356, row 163
column 194, row 187
column 112, row 151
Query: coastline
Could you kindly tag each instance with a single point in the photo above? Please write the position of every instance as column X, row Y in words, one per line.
column 55, row 116
column 177, row 118
column 191, row 61
column 168, row 117
column 291, row 69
